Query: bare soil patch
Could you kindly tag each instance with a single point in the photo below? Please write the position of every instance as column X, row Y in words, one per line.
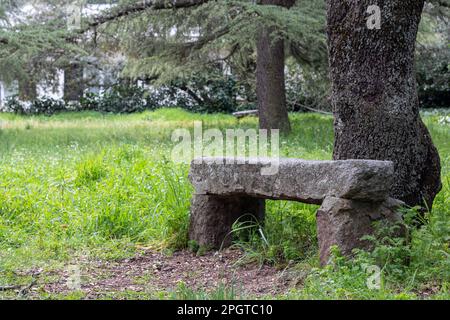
column 157, row 272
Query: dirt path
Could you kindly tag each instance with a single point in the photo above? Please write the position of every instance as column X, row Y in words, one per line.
column 156, row 272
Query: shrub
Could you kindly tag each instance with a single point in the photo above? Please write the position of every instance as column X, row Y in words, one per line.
column 433, row 77
column 203, row 93
column 119, row 99
column 14, row 105
column 46, row 106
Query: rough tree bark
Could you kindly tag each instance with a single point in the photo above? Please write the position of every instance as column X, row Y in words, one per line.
column 270, row 82
column 73, row 82
column 374, row 94
column 27, row 90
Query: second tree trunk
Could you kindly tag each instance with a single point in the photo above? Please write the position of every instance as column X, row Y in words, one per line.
column 270, row 80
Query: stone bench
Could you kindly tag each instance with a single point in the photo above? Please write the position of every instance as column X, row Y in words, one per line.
column 352, row 194
column 247, row 113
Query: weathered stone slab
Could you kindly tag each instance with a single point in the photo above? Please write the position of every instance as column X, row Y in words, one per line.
column 296, row 179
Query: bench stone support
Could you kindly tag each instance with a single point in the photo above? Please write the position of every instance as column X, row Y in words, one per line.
column 343, row 222
column 212, row 217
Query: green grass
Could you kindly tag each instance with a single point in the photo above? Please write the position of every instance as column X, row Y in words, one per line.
column 105, row 184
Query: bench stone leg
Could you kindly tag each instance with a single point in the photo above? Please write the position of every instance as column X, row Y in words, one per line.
column 212, row 218
column 343, row 223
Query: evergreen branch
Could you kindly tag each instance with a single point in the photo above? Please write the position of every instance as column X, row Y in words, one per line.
column 137, row 7
column 200, row 43
column 142, row 6
column 191, row 93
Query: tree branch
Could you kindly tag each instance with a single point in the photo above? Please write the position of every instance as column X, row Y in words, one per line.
column 142, row 6
column 191, row 93
column 201, row 42
column 126, row 10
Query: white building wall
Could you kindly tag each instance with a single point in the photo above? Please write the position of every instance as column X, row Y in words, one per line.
column 53, row 90
column 2, row 94
column 8, row 91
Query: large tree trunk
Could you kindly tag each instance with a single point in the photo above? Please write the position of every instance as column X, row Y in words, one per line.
column 270, row 81
column 73, row 83
column 374, row 94
column 27, row 90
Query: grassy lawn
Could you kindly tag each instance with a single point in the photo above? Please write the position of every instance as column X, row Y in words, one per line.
column 103, row 186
